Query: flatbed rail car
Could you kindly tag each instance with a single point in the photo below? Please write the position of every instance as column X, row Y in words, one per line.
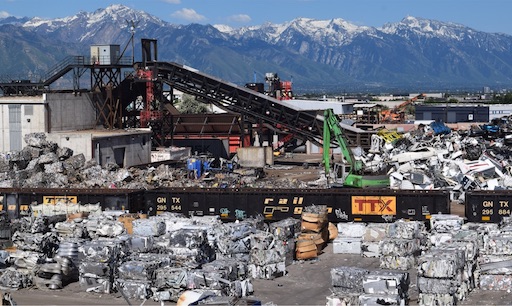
column 344, row 204
column 16, row 201
column 488, row 206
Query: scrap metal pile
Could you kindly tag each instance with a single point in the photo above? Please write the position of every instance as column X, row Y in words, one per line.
column 450, row 260
column 43, row 164
column 159, row 257
column 435, row 157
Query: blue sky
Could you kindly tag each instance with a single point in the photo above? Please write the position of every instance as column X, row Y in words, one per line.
column 483, row 15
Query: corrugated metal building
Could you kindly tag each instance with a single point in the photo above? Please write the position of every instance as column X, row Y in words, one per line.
column 452, row 113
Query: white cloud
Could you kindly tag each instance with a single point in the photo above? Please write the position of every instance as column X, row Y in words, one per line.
column 172, row 1
column 4, row 14
column 239, row 18
column 188, row 14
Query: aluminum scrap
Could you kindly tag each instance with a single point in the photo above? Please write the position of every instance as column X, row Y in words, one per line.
column 441, row 263
column 148, row 227
column 348, row 279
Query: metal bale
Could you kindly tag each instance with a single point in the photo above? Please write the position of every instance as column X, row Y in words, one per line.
column 286, row 229
column 441, row 223
column 351, row 229
column 134, row 288
column 137, row 270
column 497, row 282
column 347, row 245
column 441, row 263
column 148, row 227
column 387, row 282
column 378, row 299
column 348, row 279
column 437, row 299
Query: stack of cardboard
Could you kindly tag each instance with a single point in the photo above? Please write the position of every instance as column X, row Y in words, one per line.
column 314, row 232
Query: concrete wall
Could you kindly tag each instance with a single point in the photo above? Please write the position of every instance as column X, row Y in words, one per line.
column 32, row 119
column 255, row 157
column 68, row 112
column 124, row 150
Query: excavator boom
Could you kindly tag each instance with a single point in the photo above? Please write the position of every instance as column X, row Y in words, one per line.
column 332, row 131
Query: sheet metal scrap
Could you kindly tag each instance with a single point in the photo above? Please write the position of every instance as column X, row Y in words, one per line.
column 14, row 278
column 440, row 223
column 148, row 227
column 286, row 229
column 45, row 243
column 348, row 279
column 387, row 283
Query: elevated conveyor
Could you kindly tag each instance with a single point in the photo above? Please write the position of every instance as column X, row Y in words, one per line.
column 254, row 106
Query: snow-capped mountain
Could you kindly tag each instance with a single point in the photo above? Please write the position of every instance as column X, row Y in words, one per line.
column 318, row 54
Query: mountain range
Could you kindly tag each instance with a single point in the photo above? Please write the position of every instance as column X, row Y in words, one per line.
column 317, row 55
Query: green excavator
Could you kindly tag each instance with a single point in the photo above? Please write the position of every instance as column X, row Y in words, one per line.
column 350, row 173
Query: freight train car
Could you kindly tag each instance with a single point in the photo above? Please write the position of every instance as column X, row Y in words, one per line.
column 16, row 201
column 488, row 205
column 343, row 204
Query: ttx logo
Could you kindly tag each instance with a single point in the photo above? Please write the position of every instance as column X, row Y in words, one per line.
column 373, row 205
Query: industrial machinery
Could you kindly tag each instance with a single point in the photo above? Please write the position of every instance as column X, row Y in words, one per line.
column 349, row 174
column 397, row 114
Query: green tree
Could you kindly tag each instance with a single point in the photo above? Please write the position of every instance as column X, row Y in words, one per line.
column 189, row 105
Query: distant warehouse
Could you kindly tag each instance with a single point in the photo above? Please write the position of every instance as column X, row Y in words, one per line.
column 453, row 114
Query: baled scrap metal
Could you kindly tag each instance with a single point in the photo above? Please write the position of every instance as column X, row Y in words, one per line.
column 440, row 223
column 39, row 242
column 138, row 270
column 139, row 244
column 399, row 247
column 14, row 278
column 268, row 271
column 495, row 264
column 370, row 248
column 170, row 277
column 497, row 282
column 343, row 299
column 437, row 299
column 286, row 229
column 72, row 229
column 227, row 246
column 104, row 227
column 192, row 258
column 148, row 227
column 498, row 245
column 100, row 251
column 346, row 245
column 187, row 238
column 351, row 229
column 375, row 231
column 161, row 259
column 387, row 282
column 348, row 279
column 136, row 289
column 393, row 262
column 379, row 299
column 483, row 230
column 214, row 280
column 96, row 284
column 452, row 286
column 441, row 263
column 168, row 294
column 232, row 268
column 263, row 240
column 26, row 259
column 96, row 269
column 402, row 229
column 437, row 239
